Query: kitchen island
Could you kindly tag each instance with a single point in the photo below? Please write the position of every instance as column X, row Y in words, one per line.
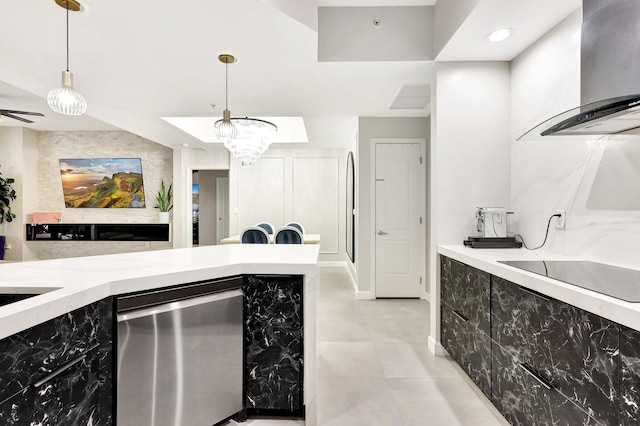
column 542, row 350
column 77, row 296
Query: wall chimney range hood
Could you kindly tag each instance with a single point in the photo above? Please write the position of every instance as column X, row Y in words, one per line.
column 610, row 82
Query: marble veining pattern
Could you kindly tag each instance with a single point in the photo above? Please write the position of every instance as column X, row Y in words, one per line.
column 105, row 358
column 523, row 401
column 629, row 376
column 466, row 290
column 274, row 342
column 469, row 348
column 573, row 349
column 73, row 397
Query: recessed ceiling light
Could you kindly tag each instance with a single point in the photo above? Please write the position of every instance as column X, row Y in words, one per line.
column 499, row 35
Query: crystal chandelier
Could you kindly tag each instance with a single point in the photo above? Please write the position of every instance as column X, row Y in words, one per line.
column 246, row 138
column 65, row 100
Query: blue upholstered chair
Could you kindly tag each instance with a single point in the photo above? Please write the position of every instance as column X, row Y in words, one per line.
column 267, row 227
column 254, row 235
column 288, row 235
column 296, row 225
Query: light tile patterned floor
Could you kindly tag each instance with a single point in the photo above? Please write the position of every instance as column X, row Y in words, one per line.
column 375, row 369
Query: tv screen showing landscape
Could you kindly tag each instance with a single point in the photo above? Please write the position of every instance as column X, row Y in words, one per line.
column 99, row 183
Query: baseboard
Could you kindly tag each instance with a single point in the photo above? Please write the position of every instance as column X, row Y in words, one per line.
column 364, row 295
column 332, row 264
column 436, row 348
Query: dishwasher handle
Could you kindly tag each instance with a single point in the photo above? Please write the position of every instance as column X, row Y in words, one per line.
column 176, row 305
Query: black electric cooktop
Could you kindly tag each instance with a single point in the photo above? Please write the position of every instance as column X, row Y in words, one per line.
column 614, row 281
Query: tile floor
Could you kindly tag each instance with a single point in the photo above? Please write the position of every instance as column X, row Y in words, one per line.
column 375, row 369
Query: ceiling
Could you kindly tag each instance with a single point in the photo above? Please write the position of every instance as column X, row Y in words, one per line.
column 136, row 62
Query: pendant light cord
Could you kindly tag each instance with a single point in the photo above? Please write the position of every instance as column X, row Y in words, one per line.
column 226, row 83
column 67, row 3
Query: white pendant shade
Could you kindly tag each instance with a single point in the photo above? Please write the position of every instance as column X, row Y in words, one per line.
column 65, row 100
column 225, row 130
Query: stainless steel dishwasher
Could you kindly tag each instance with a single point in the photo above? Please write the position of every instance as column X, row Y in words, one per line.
column 180, row 355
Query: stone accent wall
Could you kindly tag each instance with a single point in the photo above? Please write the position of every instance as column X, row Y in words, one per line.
column 157, row 165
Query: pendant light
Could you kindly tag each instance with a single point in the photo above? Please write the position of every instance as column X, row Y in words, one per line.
column 225, row 130
column 246, row 138
column 65, row 100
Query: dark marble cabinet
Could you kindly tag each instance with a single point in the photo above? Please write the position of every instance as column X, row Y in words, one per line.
column 59, row 372
column 573, row 350
column 466, row 290
column 468, row 347
column 465, row 320
column 629, row 376
column 525, row 400
column 546, row 362
column 273, row 306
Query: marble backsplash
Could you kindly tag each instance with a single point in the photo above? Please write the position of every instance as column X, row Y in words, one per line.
column 596, row 180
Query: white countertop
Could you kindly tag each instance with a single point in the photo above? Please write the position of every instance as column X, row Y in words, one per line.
column 617, row 310
column 85, row 280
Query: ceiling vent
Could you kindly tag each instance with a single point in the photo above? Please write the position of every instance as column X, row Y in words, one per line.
column 412, row 96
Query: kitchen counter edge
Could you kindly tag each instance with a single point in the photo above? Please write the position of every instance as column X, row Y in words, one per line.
column 620, row 311
column 83, row 280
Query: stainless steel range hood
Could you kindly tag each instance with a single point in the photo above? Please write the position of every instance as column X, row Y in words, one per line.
column 610, row 81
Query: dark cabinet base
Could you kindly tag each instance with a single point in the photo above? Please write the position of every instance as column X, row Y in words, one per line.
column 523, row 400
column 470, row 348
column 274, row 345
column 59, row 372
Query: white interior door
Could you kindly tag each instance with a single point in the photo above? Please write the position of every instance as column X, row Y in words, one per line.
column 222, row 207
column 399, row 192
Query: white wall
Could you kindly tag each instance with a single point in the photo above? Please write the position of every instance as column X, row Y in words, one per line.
column 470, row 155
column 19, row 160
column 304, row 185
column 596, row 180
column 208, row 205
column 349, row 34
column 185, row 161
column 449, row 15
column 371, row 128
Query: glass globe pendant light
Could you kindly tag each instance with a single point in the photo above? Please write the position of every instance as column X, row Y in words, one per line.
column 65, row 100
column 225, row 130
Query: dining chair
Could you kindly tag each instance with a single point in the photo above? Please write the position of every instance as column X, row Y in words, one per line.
column 296, row 225
column 254, row 235
column 288, row 235
column 266, row 226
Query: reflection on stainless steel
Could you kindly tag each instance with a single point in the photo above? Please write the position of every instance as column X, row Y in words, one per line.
column 180, row 363
column 614, row 281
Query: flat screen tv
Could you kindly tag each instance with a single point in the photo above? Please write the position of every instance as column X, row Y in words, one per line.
column 99, row 183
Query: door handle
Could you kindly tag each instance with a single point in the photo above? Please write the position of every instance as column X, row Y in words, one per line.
column 382, row 233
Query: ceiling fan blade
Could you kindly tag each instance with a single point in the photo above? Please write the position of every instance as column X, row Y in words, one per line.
column 21, row 112
column 15, row 117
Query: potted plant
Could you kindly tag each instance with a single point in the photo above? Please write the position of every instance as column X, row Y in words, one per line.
column 163, row 202
column 7, row 195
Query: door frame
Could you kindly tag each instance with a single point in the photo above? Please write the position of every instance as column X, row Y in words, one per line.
column 218, row 210
column 423, row 200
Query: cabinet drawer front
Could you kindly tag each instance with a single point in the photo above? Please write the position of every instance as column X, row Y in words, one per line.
column 575, row 350
column 33, row 353
column 68, row 399
column 629, row 376
column 466, row 290
column 524, row 399
column 468, row 347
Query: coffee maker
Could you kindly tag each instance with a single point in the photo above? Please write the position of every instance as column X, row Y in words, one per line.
column 491, row 222
column 491, row 227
